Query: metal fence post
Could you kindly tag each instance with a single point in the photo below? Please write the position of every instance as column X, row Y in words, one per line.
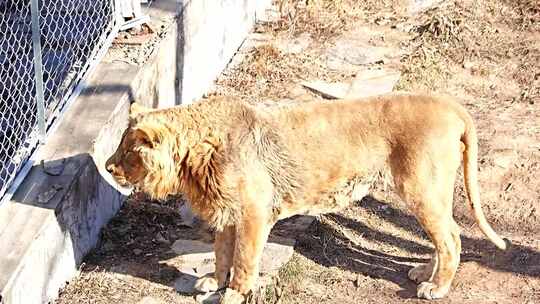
column 118, row 12
column 38, row 69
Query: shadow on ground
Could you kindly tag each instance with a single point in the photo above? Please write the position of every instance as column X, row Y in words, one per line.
column 326, row 247
column 131, row 245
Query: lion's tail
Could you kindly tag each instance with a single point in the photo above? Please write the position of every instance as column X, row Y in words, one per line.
column 470, row 165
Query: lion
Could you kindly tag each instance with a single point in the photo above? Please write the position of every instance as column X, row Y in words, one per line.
column 243, row 167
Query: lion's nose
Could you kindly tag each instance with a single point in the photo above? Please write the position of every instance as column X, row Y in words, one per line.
column 110, row 168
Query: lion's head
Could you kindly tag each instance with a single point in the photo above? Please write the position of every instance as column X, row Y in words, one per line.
column 165, row 153
column 126, row 165
column 146, row 157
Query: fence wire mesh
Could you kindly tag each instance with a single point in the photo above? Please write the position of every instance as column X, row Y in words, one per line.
column 71, row 33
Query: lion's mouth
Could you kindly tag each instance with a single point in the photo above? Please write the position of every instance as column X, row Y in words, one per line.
column 122, row 181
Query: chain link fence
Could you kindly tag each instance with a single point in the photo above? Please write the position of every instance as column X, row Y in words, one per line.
column 41, row 64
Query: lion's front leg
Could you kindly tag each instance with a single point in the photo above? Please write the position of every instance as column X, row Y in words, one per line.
column 251, row 236
column 224, row 250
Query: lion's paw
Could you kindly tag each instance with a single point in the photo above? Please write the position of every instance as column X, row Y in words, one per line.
column 430, row 291
column 206, row 284
column 232, row 296
column 420, row 273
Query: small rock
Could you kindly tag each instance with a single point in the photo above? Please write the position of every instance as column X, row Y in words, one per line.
column 232, row 296
column 187, row 218
column 358, row 281
column 505, row 158
column 137, row 251
column 45, row 197
column 54, row 168
column 107, row 246
column 161, row 239
column 360, row 191
column 185, row 283
column 416, row 6
column 404, row 27
column 209, row 298
column 150, row 300
column 467, row 64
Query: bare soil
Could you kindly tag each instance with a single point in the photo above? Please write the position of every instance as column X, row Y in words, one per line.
column 485, row 52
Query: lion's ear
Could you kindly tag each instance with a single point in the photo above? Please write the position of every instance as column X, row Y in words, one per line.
column 143, row 138
column 137, row 109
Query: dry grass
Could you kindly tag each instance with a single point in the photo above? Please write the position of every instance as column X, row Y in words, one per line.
column 325, row 19
column 491, row 34
column 523, row 14
column 266, row 72
column 264, row 68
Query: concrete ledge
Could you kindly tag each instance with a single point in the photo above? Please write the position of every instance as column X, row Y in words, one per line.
column 55, row 216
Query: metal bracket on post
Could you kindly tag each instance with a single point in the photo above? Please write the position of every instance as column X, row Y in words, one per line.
column 38, row 70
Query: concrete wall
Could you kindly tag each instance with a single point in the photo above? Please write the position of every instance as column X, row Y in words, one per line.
column 210, row 32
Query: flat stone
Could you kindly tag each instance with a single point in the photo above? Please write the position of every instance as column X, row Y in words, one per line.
column 277, row 252
column 205, row 269
column 505, row 158
column 198, row 262
column 295, row 45
column 348, row 54
column 185, row 283
column 366, row 83
column 198, row 257
column 372, row 83
column 336, row 90
column 301, row 222
column 193, row 252
column 413, row 7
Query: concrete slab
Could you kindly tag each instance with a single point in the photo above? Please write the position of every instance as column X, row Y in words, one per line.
column 366, row 83
column 43, row 241
column 198, row 260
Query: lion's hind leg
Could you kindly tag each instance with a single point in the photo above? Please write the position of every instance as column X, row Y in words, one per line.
column 428, row 188
column 423, row 272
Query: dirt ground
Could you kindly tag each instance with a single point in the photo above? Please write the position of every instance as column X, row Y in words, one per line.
column 485, row 52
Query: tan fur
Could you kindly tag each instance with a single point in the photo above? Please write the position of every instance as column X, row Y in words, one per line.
column 243, row 168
